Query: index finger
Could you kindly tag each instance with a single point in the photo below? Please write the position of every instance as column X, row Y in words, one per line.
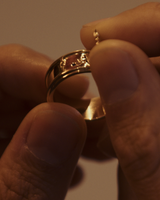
column 23, row 71
column 139, row 26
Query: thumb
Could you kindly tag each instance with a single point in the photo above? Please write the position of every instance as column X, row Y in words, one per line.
column 129, row 87
column 40, row 160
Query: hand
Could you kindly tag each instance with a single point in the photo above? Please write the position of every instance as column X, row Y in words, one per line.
column 129, row 86
column 41, row 157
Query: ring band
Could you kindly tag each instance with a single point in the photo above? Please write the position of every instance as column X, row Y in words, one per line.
column 73, row 63
column 76, row 62
column 68, row 65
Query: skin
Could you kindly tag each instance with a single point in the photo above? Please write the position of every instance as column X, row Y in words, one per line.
column 129, row 86
column 40, row 159
column 29, row 156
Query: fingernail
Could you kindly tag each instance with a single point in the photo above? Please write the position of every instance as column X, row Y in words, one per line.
column 53, row 137
column 114, row 74
column 94, row 23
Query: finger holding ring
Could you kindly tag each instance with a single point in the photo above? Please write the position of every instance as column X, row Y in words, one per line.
column 71, row 64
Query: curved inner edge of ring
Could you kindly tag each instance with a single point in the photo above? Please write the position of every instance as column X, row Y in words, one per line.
column 91, row 109
column 94, row 110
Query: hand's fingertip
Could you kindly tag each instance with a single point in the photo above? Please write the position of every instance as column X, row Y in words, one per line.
column 84, row 35
column 51, row 128
column 54, row 135
column 87, row 33
column 115, row 81
column 74, row 87
column 129, row 26
column 46, row 147
column 129, row 86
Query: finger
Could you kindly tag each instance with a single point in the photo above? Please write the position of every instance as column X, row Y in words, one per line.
column 74, row 87
column 40, row 160
column 125, row 192
column 139, row 26
column 156, row 62
column 23, row 71
column 12, row 111
column 129, row 87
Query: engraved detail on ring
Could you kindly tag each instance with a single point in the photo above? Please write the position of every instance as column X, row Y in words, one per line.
column 74, row 60
column 83, row 61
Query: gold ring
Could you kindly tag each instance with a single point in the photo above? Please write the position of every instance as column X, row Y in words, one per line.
column 73, row 63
